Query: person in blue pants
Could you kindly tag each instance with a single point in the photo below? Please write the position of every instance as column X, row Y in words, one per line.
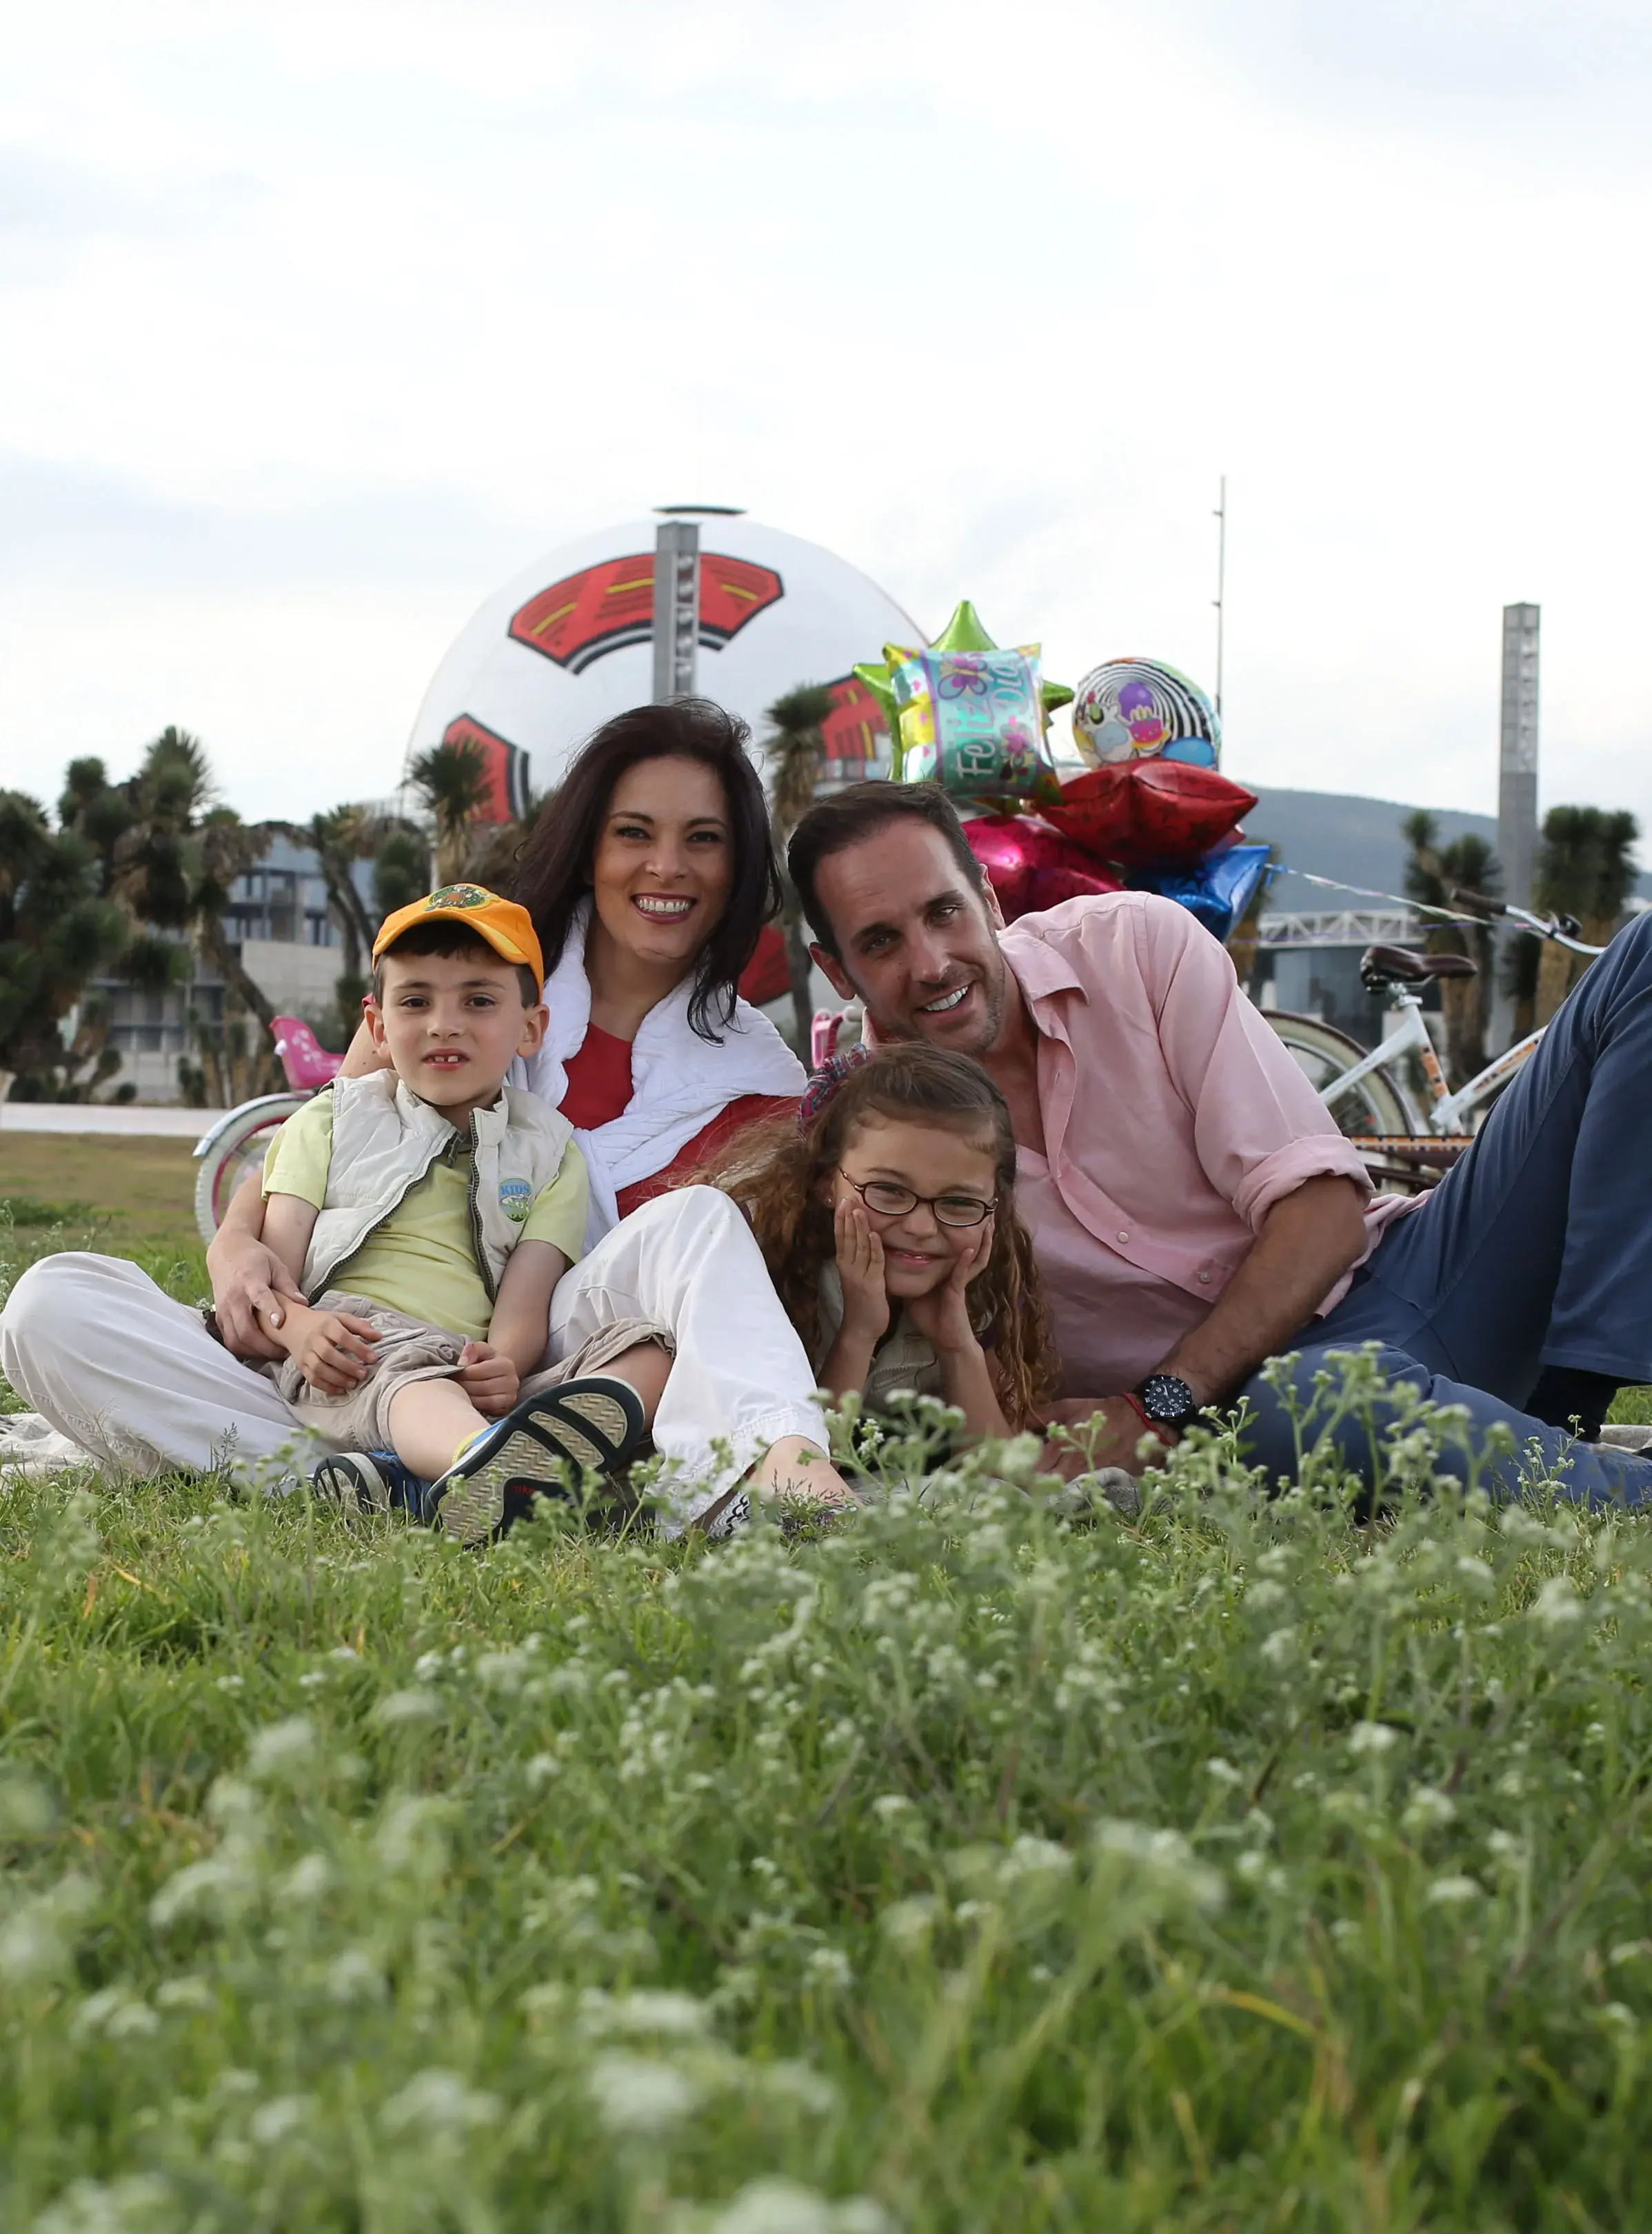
column 1521, row 1289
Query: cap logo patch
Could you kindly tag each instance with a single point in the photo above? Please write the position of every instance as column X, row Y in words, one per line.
column 458, row 896
column 515, row 1200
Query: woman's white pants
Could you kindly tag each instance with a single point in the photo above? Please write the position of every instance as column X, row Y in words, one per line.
column 136, row 1383
column 740, row 1381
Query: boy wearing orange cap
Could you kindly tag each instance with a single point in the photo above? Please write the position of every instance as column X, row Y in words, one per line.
column 428, row 1211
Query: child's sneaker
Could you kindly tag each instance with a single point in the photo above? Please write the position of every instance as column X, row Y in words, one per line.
column 369, row 1481
column 589, row 1426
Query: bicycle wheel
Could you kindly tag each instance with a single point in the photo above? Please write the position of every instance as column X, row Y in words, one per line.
column 1378, row 1105
column 237, row 1145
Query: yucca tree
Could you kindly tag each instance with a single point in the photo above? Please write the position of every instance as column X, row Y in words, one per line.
column 453, row 782
column 1432, row 872
column 135, row 876
column 795, row 749
column 1586, row 868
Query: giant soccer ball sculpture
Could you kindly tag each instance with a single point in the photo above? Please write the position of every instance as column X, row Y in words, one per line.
column 569, row 640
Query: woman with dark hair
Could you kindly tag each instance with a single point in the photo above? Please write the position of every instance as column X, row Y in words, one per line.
column 648, row 874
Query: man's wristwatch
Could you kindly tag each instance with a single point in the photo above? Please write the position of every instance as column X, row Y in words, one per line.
column 1167, row 1400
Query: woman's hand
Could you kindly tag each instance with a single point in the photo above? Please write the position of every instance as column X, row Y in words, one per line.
column 943, row 1316
column 860, row 1268
column 248, row 1277
column 488, row 1378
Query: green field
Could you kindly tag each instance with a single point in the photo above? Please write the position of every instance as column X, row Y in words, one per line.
column 1246, row 1868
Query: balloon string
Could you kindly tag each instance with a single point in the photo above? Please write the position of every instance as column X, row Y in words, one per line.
column 1366, row 892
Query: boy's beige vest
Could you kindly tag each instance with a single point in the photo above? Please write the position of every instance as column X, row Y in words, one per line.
column 384, row 1142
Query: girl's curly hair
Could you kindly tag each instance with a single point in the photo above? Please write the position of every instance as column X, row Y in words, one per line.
column 775, row 1170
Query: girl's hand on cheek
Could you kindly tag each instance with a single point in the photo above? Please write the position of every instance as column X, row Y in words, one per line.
column 860, row 1268
column 943, row 1316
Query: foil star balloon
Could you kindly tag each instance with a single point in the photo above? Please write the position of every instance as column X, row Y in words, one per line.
column 968, row 715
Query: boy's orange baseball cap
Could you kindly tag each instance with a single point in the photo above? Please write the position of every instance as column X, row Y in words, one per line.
column 508, row 928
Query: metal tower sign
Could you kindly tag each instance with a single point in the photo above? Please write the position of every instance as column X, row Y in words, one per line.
column 1517, row 788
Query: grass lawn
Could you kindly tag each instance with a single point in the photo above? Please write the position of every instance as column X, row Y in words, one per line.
column 139, row 1193
column 970, row 1869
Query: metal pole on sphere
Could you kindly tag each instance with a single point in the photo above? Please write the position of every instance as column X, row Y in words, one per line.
column 676, row 608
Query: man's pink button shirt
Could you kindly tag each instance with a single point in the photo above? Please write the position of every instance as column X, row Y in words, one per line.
column 1174, row 1118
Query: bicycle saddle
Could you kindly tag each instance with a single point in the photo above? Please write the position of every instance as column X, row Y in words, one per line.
column 1398, row 965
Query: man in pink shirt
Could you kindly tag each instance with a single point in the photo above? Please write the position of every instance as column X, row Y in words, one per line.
column 1194, row 1209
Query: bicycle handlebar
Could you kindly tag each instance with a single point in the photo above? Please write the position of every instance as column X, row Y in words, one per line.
column 1561, row 929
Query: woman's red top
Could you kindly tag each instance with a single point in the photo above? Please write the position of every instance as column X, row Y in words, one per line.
column 599, row 1089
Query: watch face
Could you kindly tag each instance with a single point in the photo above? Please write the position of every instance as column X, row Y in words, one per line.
column 1167, row 1397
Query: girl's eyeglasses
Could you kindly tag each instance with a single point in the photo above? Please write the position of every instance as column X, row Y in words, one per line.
column 890, row 1200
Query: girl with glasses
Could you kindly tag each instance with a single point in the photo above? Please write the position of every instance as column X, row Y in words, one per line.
column 886, row 1219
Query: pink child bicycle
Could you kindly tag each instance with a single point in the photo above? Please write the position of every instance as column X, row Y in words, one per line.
column 240, row 1139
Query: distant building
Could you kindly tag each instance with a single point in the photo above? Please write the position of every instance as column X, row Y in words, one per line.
column 1309, row 964
column 290, row 947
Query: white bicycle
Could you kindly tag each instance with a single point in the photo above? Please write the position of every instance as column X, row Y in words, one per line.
column 1370, row 1103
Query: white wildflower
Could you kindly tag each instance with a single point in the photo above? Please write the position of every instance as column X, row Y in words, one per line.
column 1222, row 1772
column 115, row 2013
column 787, row 2081
column 307, row 1879
column 1279, row 1646
column 412, row 1835
column 275, row 2122
column 1372, row 1738
column 1557, row 1601
column 638, row 2095
column 1451, row 1892
column 353, row 1976
column 183, row 1994
column 907, row 1922
column 780, row 2206
column 398, row 1707
column 438, row 2102
column 283, row 1748
column 829, row 1967
column 132, row 2205
column 678, row 2014
column 1427, row 1809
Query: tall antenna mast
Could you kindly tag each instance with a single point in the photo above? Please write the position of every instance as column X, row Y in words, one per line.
column 1218, row 600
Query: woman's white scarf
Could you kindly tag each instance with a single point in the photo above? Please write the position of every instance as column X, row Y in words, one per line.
column 679, row 1082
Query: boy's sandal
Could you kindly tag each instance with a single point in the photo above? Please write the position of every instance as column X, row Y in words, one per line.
column 588, row 1426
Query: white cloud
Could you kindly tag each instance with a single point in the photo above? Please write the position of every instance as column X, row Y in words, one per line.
column 332, row 316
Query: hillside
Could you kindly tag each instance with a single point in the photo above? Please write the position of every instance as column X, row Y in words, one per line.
column 1335, row 835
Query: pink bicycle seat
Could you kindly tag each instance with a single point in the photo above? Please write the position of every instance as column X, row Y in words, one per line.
column 307, row 1063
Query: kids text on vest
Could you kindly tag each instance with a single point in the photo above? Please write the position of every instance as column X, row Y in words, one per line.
column 428, row 1210
column 886, row 1219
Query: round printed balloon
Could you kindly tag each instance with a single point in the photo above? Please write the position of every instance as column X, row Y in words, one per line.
column 1129, row 709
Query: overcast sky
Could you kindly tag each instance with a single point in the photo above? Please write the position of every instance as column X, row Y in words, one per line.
column 322, row 319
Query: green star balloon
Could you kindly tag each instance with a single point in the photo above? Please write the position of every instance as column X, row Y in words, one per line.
column 904, row 684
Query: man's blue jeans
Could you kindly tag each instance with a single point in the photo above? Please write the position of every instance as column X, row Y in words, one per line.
column 1535, row 1251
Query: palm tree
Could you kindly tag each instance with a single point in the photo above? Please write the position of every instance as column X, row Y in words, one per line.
column 1432, row 871
column 340, row 839
column 794, row 750
column 1586, row 869
column 453, row 781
